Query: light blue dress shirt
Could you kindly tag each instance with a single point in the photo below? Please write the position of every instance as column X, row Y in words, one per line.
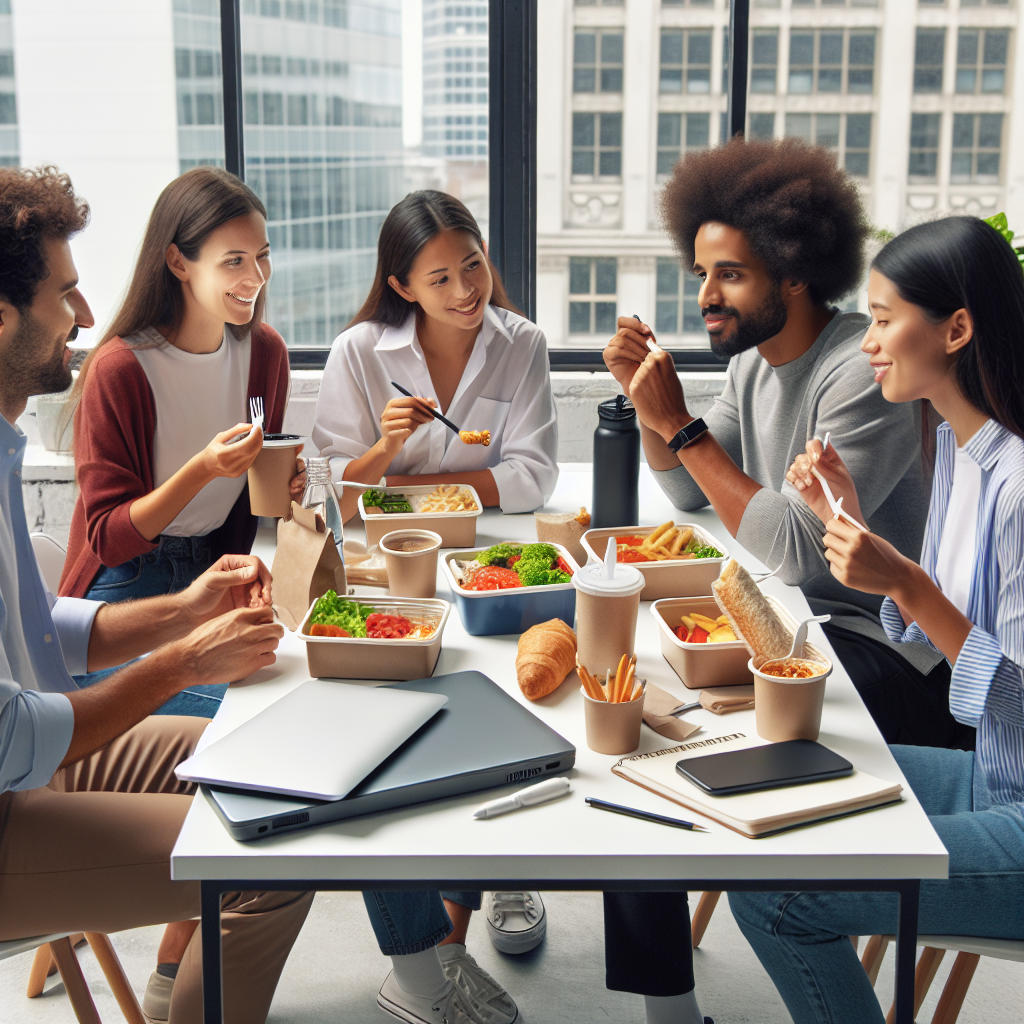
column 35, row 724
column 987, row 685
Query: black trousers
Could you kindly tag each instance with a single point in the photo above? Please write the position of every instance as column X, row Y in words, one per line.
column 907, row 706
column 647, row 945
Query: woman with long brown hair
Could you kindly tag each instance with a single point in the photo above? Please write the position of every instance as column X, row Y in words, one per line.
column 159, row 501
column 438, row 322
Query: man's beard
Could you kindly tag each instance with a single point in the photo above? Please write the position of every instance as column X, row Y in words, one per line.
column 24, row 375
column 751, row 329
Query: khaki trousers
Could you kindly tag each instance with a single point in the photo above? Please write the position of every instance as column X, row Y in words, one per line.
column 91, row 852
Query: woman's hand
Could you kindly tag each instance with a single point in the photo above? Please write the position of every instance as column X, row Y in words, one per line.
column 828, row 463
column 400, row 420
column 222, row 459
column 866, row 562
column 297, row 487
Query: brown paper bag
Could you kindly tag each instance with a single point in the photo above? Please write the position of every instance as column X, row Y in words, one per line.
column 306, row 565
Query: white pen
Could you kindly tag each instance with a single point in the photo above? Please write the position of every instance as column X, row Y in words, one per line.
column 541, row 793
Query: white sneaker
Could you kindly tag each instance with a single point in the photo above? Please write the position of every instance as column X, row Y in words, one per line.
column 516, row 921
column 452, row 1007
column 468, row 976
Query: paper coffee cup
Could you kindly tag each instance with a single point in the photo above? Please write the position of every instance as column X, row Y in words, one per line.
column 613, row 728
column 606, row 611
column 788, row 709
column 270, row 476
column 411, row 573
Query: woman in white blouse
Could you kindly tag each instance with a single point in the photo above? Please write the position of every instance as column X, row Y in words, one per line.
column 438, row 322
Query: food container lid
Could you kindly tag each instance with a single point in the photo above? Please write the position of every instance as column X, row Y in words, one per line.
column 591, row 579
column 282, row 440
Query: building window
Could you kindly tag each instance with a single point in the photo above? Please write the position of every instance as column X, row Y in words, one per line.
column 852, row 146
column 592, row 287
column 597, row 61
column 679, row 134
column 924, row 148
column 8, row 108
column 596, row 146
column 929, row 51
column 685, row 58
column 764, row 59
column 760, row 126
column 687, row 3
column 816, row 61
column 977, row 141
column 981, row 60
column 598, row 3
column 677, row 310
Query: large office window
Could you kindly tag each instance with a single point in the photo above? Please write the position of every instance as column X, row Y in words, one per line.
column 831, row 61
column 685, row 61
column 929, row 55
column 981, row 56
column 597, row 61
column 593, row 284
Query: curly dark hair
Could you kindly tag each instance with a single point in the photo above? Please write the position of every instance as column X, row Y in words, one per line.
column 801, row 214
column 34, row 205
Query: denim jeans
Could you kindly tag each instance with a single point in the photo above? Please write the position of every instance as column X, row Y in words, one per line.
column 407, row 922
column 170, row 567
column 801, row 938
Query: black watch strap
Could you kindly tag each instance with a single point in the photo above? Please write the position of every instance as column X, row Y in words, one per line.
column 688, row 434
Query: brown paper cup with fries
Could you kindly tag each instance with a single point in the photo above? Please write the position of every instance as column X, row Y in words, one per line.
column 613, row 728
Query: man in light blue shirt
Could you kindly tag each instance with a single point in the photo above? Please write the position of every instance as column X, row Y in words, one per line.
column 89, row 805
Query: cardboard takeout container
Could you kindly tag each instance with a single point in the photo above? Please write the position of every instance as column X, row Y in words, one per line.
column 689, row 577
column 457, row 529
column 339, row 657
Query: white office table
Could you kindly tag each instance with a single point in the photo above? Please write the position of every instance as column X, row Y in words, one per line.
column 567, row 844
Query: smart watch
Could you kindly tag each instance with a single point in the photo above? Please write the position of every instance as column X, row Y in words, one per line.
column 688, row 434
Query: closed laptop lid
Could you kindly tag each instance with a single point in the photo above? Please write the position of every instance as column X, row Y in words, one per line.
column 480, row 732
column 318, row 742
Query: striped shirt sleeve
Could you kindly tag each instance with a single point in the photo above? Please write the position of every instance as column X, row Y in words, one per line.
column 897, row 630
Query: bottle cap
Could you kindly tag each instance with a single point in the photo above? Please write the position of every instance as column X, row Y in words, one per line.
column 617, row 409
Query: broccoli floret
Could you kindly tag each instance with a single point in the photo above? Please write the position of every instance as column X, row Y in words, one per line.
column 545, row 553
column 499, row 554
column 535, row 573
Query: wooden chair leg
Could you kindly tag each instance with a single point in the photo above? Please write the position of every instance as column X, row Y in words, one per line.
column 955, row 992
column 74, row 982
column 927, row 965
column 41, row 965
column 114, row 972
column 874, row 954
column 702, row 915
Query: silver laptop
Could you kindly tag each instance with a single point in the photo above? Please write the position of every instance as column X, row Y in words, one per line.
column 318, row 742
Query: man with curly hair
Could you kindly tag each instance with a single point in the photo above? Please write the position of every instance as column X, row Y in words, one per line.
column 776, row 233
column 89, row 804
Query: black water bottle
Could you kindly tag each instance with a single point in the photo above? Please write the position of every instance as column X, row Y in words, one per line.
column 616, row 465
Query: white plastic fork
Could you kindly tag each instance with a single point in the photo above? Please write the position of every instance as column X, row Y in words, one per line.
column 836, row 504
column 800, row 638
column 256, row 412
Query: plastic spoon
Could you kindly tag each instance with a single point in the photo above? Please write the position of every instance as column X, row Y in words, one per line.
column 611, row 556
column 801, row 635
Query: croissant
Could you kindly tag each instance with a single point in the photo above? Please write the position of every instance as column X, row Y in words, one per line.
column 546, row 655
column 475, row 437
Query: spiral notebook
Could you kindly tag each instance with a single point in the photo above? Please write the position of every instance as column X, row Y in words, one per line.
column 760, row 813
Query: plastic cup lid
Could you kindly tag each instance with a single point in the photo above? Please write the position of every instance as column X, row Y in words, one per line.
column 591, row 579
column 282, row 440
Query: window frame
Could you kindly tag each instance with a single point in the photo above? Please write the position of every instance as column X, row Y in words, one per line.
column 512, row 120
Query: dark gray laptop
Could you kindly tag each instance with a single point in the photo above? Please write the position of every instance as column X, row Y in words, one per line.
column 480, row 739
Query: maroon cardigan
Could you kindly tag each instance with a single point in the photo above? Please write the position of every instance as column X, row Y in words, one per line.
column 114, row 428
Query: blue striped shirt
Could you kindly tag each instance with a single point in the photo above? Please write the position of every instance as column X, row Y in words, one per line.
column 987, row 685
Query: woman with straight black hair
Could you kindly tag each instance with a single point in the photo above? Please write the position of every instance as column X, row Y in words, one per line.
column 438, row 322
column 947, row 309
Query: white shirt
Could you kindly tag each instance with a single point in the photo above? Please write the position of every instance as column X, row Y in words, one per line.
column 197, row 395
column 954, row 564
column 505, row 388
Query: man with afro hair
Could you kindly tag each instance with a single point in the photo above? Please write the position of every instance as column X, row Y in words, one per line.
column 776, row 233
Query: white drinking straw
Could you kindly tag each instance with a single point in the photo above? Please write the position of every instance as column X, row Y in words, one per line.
column 611, row 556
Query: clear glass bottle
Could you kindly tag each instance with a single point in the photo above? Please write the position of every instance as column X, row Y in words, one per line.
column 319, row 496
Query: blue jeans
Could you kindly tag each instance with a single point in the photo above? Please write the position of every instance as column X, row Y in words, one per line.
column 170, row 567
column 801, row 938
column 407, row 922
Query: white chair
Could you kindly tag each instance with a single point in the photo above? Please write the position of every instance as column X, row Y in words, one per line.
column 50, row 556
column 969, row 952
column 58, row 948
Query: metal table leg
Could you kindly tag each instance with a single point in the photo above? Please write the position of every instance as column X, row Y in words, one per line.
column 909, row 895
column 213, row 1000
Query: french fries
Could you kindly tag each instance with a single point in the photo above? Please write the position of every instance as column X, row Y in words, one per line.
column 616, row 689
column 666, row 541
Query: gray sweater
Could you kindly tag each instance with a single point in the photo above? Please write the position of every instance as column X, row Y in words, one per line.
column 764, row 418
